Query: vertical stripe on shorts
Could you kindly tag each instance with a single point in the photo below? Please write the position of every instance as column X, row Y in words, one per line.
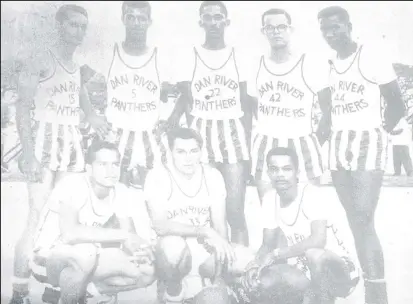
column 307, row 148
column 364, row 150
column 224, row 140
column 141, row 148
column 58, row 147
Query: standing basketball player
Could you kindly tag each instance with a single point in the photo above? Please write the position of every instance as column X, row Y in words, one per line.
column 52, row 147
column 359, row 76
column 134, row 95
column 214, row 90
column 286, row 89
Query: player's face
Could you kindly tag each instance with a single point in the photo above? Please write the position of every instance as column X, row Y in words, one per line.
column 335, row 31
column 106, row 168
column 277, row 30
column 186, row 155
column 213, row 21
column 73, row 28
column 282, row 172
column 136, row 21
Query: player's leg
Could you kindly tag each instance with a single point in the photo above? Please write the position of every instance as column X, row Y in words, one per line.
column 310, row 158
column 236, row 183
column 260, row 147
column 406, row 160
column 331, row 276
column 397, row 160
column 173, row 261
column 359, row 193
column 38, row 195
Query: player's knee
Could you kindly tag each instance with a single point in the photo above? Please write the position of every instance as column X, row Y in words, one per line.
column 84, row 257
column 316, row 259
column 172, row 257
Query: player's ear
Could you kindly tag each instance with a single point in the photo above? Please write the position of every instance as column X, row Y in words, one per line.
column 292, row 29
column 149, row 22
column 227, row 22
column 201, row 24
column 350, row 27
column 262, row 30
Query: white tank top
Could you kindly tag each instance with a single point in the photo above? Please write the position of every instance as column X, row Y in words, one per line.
column 57, row 97
column 134, row 93
column 190, row 210
column 285, row 102
column 296, row 224
column 215, row 91
column 356, row 101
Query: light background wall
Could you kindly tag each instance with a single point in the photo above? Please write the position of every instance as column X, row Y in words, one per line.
column 175, row 23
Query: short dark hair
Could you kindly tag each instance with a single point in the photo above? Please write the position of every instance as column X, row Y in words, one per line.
column 210, row 3
column 183, row 133
column 61, row 13
column 136, row 4
column 276, row 11
column 98, row 145
column 283, row 151
column 334, row 11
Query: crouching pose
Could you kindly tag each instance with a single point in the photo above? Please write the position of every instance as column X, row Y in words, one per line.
column 86, row 235
column 303, row 258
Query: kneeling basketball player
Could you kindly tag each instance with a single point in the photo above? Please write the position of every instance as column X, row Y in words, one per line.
column 86, row 235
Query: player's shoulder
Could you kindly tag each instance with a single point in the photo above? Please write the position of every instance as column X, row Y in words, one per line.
column 157, row 176
column 39, row 62
column 374, row 51
column 212, row 173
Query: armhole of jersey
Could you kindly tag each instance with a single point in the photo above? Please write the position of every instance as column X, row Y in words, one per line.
column 235, row 62
column 169, row 173
column 205, row 179
column 302, row 76
column 302, row 202
column 54, row 67
column 155, row 53
column 196, row 56
column 259, row 71
column 358, row 67
column 115, row 51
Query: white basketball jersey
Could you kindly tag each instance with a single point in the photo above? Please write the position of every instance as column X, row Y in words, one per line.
column 57, row 97
column 295, row 222
column 190, row 210
column 92, row 212
column 134, row 92
column 215, row 91
column 356, row 101
column 285, row 102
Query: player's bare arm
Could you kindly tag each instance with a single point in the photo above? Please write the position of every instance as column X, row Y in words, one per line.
column 98, row 123
column 324, row 126
column 270, row 242
column 317, row 239
column 395, row 106
column 75, row 233
column 182, row 104
column 28, row 82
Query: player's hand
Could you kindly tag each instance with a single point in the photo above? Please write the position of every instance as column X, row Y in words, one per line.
column 270, row 259
column 99, row 124
column 134, row 243
column 223, row 249
column 31, row 168
column 161, row 127
column 145, row 255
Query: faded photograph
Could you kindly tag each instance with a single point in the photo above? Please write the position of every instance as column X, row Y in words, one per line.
column 206, row 152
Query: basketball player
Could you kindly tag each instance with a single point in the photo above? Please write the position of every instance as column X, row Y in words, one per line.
column 134, row 94
column 213, row 88
column 286, row 89
column 188, row 215
column 359, row 76
column 87, row 236
column 314, row 242
column 51, row 148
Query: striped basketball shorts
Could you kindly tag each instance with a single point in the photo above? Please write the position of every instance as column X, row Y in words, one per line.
column 58, row 147
column 140, row 148
column 224, row 140
column 358, row 150
column 307, row 149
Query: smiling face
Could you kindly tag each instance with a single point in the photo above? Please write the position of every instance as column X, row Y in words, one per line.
column 277, row 30
column 336, row 31
column 186, row 155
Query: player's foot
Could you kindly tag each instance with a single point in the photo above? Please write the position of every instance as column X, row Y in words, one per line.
column 19, row 298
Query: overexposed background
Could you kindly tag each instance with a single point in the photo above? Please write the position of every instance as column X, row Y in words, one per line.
column 175, row 24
